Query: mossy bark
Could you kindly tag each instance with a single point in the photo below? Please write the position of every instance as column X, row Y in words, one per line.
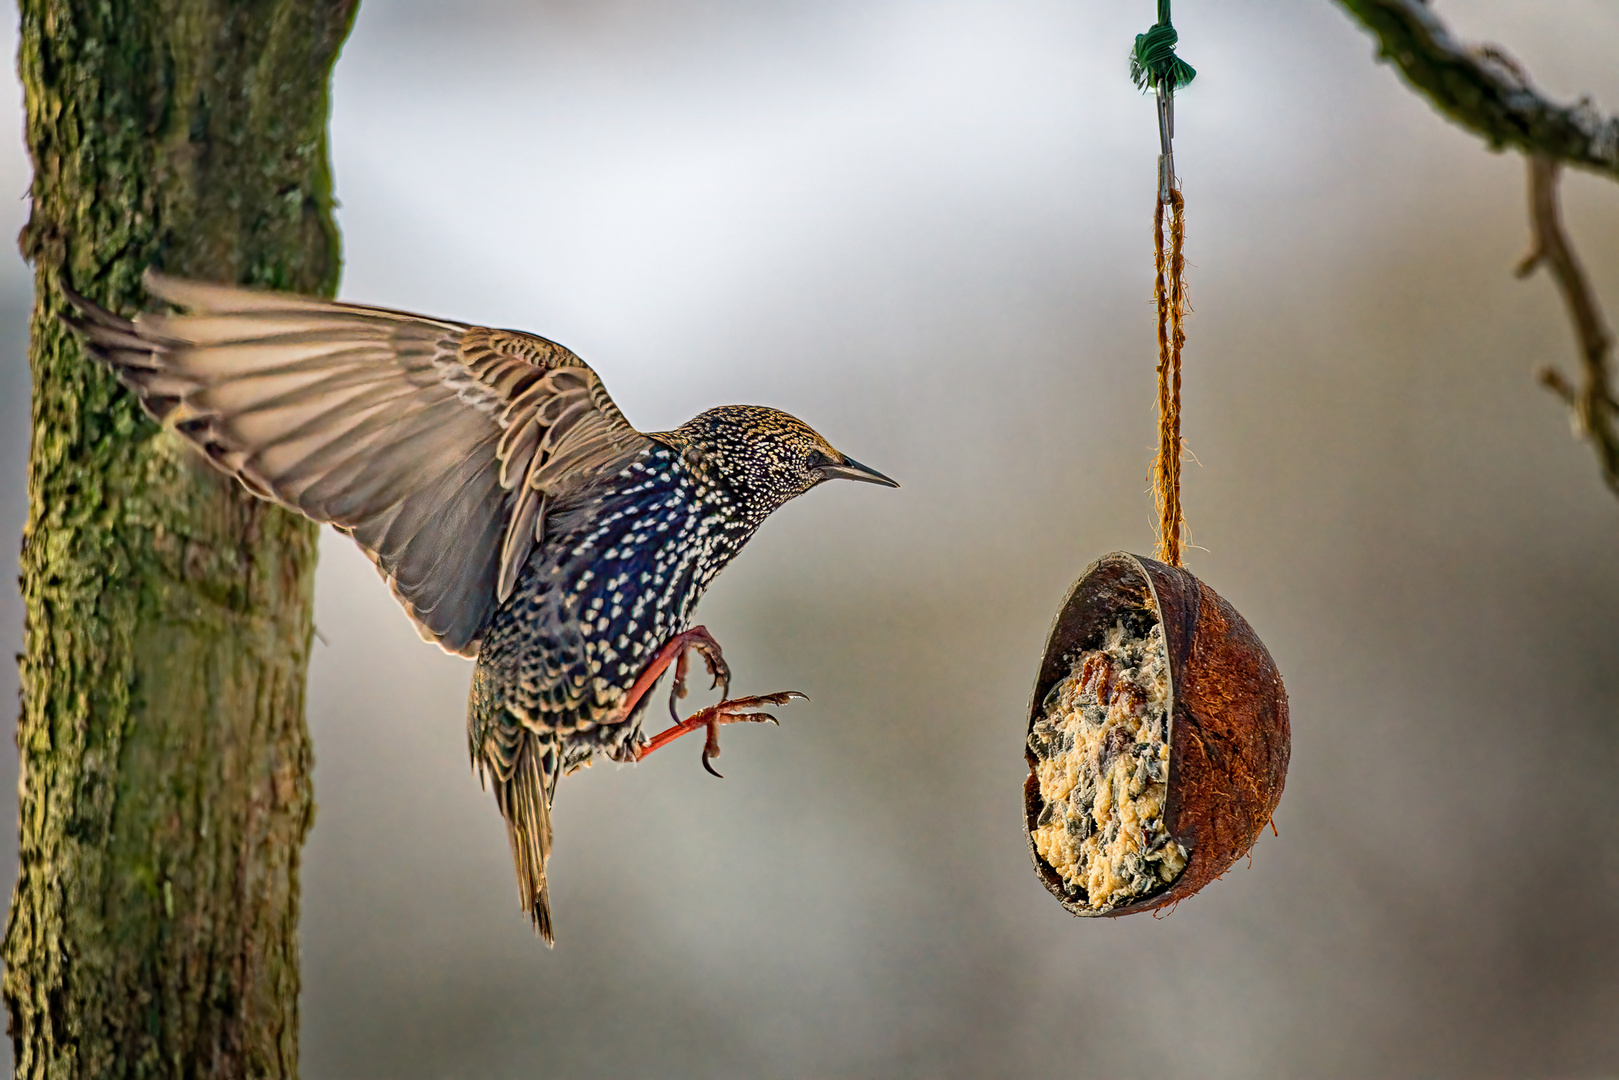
column 165, row 788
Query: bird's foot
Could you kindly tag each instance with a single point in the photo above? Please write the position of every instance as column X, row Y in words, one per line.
column 737, row 711
column 700, row 640
column 674, row 650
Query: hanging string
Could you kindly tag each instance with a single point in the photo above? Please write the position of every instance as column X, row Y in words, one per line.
column 1169, row 290
column 1154, row 66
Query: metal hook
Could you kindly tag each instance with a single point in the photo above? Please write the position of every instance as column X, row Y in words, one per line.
column 1166, row 136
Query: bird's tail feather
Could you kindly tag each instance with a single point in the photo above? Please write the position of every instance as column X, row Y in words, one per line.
column 525, row 803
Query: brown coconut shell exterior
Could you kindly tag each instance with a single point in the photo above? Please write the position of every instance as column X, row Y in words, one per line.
column 1229, row 733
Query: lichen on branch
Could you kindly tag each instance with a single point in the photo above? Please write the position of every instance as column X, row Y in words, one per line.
column 1476, row 89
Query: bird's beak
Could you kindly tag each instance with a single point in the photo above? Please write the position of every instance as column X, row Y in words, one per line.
column 851, row 469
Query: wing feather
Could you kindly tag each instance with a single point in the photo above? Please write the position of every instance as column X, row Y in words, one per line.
column 434, row 444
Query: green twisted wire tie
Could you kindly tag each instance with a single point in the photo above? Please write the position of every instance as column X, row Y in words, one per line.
column 1154, row 62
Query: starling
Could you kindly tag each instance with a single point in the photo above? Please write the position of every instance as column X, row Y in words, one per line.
column 513, row 511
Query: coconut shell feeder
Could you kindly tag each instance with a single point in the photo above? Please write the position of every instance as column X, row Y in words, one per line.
column 1157, row 737
column 1224, row 744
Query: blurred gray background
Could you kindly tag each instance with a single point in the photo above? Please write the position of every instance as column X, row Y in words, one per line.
column 925, row 228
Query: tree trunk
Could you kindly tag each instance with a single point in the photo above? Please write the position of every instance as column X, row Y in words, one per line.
column 164, row 788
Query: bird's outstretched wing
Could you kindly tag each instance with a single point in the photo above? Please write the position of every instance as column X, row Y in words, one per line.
column 436, row 445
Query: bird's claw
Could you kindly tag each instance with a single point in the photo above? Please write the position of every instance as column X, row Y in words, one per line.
column 781, row 697
column 677, row 686
column 719, row 671
column 711, row 750
column 738, row 711
column 734, row 711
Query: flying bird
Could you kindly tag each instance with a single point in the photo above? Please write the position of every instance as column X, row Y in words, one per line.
column 516, row 515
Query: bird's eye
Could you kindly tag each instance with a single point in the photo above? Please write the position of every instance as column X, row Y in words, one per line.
column 816, row 459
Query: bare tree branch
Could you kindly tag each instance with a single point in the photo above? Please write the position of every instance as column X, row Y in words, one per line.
column 1490, row 98
column 1484, row 89
column 1592, row 403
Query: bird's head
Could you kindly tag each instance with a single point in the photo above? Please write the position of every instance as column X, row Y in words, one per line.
column 765, row 456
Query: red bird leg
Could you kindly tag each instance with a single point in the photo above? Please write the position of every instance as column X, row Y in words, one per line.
column 674, row 647
column 700, row 639
column 677, row 651
column 740, row 710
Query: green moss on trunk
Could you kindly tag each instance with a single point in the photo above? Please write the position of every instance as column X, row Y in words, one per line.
column 165, row 763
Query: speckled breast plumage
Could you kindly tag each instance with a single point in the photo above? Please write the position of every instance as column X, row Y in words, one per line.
column 618, row 574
